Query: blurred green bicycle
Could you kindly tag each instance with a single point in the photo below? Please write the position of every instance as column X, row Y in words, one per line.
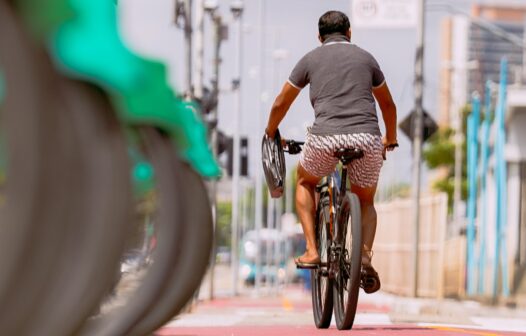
column 69, row 210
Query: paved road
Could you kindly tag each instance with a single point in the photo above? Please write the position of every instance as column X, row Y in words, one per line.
column 289, row 313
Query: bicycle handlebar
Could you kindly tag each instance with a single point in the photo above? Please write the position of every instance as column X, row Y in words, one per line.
column 391, row 147
column 292, row 147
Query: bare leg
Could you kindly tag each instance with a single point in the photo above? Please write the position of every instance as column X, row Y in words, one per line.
column 369, row 219
column 306, row 208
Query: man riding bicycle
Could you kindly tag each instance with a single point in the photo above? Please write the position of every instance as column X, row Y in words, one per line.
column 344, row 82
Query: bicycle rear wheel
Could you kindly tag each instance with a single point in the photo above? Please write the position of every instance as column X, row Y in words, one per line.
column 322, row 298
column 347, row 282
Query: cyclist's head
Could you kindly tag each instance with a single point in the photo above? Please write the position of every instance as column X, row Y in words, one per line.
column 333, row 23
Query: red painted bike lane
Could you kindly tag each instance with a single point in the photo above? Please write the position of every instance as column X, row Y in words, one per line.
column 292, row 330
column 291, row 314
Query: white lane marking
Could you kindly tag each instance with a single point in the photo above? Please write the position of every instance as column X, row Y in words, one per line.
column 206, row 320
column 369, row 319
column 482, row 323
column 501, row 324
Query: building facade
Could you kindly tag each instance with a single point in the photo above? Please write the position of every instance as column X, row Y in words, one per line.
column 472, row 49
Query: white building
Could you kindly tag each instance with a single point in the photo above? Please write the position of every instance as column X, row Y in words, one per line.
column 515, row 154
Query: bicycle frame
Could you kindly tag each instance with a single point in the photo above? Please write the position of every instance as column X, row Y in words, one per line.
column 341, row 191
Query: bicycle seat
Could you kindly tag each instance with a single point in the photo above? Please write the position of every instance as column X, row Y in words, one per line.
column 346, row 155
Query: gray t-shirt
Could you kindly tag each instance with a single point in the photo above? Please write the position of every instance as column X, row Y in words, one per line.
column 341, row 77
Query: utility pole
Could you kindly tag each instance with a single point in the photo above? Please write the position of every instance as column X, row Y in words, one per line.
column 188, row 43
column 211, row 8
column 417, row 141
column 458, row 137
column 524, row 53
column 259, row 182
column 199, row 48
column 183, row 20
column 198, row 93
column 237, row 11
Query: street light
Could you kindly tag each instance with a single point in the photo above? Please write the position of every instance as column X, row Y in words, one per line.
column 236, row 7
column 211, row 6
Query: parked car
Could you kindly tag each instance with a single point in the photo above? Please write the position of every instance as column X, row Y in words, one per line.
column 272, row 253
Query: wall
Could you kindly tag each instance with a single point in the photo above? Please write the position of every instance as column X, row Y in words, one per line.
column 393, row 246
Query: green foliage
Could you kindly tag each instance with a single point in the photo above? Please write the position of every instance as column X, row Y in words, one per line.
column 440, row 150
column 224, row 224
column 439, row 153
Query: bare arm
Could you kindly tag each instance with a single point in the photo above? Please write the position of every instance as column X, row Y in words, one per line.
column 280, row 107
column 388, row 107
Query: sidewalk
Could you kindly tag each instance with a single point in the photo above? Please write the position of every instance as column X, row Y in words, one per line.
column 450, row 312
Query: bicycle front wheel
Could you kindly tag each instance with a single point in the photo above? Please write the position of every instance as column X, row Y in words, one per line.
column 321, row 283
column 347, row 282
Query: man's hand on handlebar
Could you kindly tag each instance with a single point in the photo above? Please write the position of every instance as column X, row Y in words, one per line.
column 292, row 147
column 389, row 145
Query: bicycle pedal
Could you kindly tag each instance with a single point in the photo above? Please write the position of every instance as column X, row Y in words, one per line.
column 369, row 283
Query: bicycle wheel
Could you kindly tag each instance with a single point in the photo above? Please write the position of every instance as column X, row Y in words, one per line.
column 273, row 159
column 193, row 256
column 58, row 209
column 347, row 282
column 146, row 290
column 322, row 298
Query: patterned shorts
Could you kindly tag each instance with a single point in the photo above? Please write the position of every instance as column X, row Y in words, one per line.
column 317, row 157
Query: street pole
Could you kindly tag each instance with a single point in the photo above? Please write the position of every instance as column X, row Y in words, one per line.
column 457, row 185
column 268, row 241
column 198, row 93
column 199, row 48
column 259, row 182
column 188, row 43
column 417, row 141
column 237, row 11
column 524, row 53
column 216, row 19
column 277, row 246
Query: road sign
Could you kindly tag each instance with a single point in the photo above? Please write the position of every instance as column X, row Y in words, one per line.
column 384, row 13
column 430, row 126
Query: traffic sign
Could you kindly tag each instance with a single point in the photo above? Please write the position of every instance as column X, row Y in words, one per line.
column 384, row 13
column 430, row 126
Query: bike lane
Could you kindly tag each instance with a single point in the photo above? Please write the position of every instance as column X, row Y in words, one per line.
column 290, row 314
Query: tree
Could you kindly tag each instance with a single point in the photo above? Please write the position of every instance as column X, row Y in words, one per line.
column 439, row 153
column 224, row 223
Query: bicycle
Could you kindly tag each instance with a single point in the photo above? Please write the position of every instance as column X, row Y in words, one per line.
column 336, row 281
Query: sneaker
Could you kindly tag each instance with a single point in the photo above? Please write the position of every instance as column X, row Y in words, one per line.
column 370, row 279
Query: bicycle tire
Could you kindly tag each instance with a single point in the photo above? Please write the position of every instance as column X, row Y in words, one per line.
column 193, row 256
column 322, row 287
column 347, row 282
column 160, row 152
column 95, row 233
column 43, row 230
column 25, row 148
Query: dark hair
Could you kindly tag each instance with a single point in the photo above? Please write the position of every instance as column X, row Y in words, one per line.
column 333, row 22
